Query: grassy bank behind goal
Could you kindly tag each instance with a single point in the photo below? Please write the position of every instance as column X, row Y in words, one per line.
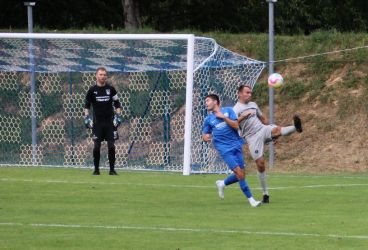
column 44, row 208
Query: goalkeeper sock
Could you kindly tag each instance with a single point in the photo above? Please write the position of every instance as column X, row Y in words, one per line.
column 96, row 154
column 111, row 154
column 231, row 179
column 262, row 180
column 288, row 130
column 96, row 159
column 96, row 163
column 245, row 188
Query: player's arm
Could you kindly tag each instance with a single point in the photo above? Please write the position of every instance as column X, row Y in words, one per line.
column 244, row 115
column 232, row 120
column 87, row 102
column 206, row 131
column 116, row 101
column 232, row 123
column 260, row 115
column 263, row 119
column 87, row 106
column 118, row 119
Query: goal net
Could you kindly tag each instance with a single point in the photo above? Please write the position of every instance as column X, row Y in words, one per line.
column 161, row 82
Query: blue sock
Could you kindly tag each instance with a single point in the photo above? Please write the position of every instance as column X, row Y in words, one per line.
column 230, row 180
column 244, row 187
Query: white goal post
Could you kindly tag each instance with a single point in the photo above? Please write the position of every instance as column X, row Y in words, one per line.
column 39, row 67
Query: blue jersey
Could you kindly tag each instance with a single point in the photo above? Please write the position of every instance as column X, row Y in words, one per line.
column 224, row 137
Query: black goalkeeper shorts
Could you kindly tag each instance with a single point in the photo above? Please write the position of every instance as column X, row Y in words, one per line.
column 104, row 131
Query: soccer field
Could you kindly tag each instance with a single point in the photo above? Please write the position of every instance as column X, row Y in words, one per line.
column 59, row 208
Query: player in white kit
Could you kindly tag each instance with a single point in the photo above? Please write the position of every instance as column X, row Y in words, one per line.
column 256, row 130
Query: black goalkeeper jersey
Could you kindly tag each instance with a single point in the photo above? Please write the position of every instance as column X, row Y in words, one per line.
column 102, row 100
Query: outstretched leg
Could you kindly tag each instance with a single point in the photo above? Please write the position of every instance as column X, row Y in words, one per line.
column 284, row 131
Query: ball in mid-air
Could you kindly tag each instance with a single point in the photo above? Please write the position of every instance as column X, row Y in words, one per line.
column 275, row 80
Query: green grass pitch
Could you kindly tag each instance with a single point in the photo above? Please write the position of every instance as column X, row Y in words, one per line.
column 59, row 208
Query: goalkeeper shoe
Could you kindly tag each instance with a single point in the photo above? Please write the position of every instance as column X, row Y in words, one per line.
column 112, row 172
column 298, row 123
column 266, row 198
column 220, row 188
column 96, row 172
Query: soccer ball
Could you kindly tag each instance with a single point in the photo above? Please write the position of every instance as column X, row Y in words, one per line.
column 275, row 80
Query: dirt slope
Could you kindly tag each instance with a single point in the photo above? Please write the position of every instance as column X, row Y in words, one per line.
column 335, row 133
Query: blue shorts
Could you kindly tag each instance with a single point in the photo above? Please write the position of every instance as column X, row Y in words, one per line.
column 234, row 158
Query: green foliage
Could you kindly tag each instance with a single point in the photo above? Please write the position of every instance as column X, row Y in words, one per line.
column 321, row 67
column 345, row 106
column 10, row 105
column 51, row 104
column 325, row 125
column 316, row 89
column 291, row 17
column 53, row 155
column 361, row 56
column 11, row 155
column 179, row 99
column 260, row 94
column 139, row 103
column 364, row 103
column 293, row 90
column 327, row 96
column 349, row 81
column 26, row 130
column 75, row 131
column 348, row 104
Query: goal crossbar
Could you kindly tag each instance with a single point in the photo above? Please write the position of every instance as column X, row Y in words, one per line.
column 80, row 36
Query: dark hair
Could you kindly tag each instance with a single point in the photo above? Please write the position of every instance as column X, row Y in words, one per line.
column 241, row 87
column 214, row 97
column 101, row 68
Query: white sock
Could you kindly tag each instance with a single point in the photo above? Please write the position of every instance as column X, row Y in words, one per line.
column 288, row 130
column 262, row 180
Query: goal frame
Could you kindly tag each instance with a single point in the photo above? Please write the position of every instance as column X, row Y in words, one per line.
column 190, row 38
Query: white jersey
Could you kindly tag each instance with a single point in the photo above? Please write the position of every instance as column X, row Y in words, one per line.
column 252, row 124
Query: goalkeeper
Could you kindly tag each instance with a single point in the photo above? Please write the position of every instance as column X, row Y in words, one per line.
column 103, row 97
column 256, row 130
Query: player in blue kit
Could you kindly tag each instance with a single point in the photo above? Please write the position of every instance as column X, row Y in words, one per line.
column 221, row 126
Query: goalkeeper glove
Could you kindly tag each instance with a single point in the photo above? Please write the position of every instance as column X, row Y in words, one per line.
column 88, row 123
column 117, row 120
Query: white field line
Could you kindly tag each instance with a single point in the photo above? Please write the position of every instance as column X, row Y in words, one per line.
column 319, row 176
column 173, row 185
column 160, row 172
column 196, row 230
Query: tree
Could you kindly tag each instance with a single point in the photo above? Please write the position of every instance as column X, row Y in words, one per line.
column 131, row 14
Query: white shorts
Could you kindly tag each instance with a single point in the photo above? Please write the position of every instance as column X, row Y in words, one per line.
column 256, row 142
